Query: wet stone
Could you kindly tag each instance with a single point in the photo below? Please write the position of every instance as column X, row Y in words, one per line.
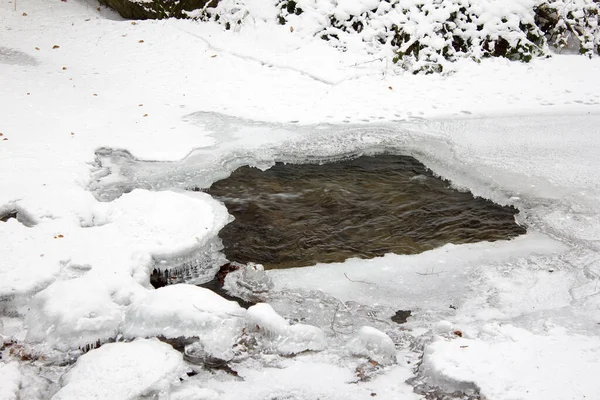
column 401, row 316
column 294, row 215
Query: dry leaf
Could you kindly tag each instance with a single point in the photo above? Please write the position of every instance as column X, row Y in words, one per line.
column 64, row 68
column 5, row 139
column 72, row 133
column 56, row 46
column 291, row 29
column 458, row 333
column 24, row 14
column 87, row 19
column 37, row 48
column 389, row 87
column 213, row 56
column 140, row 41
column 60, row 236
column 145, row 115
column 28, row 93
column 134, row 23
column 373, row 363
column 1, row 134
column 95, row 94
column 98, row 9
column 463, row 347
column 139, row 105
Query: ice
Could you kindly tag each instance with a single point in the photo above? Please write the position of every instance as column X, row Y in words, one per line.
column 287, row 339
column 125, row 371
column 187, row 311
column 374, row 344
column 250, row 282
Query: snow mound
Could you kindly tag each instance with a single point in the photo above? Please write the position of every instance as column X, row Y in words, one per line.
column 10, row 380
column 374, row 344
column 498, row 360
column 123, row 371
column 287, row 339
column 73, row 313
column 187, row 311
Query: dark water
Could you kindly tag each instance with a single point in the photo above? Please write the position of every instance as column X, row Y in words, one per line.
column 296, row 215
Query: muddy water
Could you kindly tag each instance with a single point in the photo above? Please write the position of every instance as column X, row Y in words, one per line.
column 299, row 215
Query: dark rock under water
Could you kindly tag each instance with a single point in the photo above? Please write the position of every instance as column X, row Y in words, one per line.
column 294, row 215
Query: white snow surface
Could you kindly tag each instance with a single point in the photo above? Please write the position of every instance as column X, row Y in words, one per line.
column 176, row 104
column 123, row 371
column 187, row 311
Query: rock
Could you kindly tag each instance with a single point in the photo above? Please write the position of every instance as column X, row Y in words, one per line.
column 157, row 9
column 401, row 316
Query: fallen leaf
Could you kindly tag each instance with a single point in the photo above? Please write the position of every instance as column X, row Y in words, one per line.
column 37, row 48
column 56, row 46
column 1, row 134
column 291, row 29
column 145, row 115
column 95, row 94
column 64, row 68
column 141, row 41
column 213, row 56
column 98, row 9
column 139, row 105
column 463, row 347
column 5, row 139
column 72, row 133
column 389, row 87
column 134, row 23
column 373, row 363
column 24, row 14
column 458, row 333
column 41, row 255
column 59, row 236
column 87, row 19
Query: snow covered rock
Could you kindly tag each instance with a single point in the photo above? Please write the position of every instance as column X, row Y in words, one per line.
column 187, row 311
column 73, row 313
column 374, row 344
column 123, row 371
column 285, row 338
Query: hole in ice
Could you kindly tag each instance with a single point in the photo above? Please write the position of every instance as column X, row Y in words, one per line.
column 294, row 215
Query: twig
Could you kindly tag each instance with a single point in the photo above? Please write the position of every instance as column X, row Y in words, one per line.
column 352, row 280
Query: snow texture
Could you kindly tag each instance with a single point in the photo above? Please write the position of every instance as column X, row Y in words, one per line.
column 123, row 371
column 375, row 345
column 187, row 311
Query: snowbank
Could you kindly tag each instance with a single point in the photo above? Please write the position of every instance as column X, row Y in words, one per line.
column 123, row 371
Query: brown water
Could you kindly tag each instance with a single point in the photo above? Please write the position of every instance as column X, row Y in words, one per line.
column 296, row 215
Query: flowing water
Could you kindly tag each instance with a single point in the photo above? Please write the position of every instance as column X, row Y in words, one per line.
column 294, row 215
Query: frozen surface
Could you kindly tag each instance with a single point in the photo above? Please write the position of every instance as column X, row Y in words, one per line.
column 104, row 122
column 123, row 371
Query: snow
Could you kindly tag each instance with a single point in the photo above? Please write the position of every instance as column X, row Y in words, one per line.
column 124, row 371
column 98, row 154
column 287, row 339
column 499, row 359
column 187, row 311
column 375, row 345
column 11, row 380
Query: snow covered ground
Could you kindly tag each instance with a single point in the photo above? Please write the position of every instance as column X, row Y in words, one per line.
column 92, row 107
